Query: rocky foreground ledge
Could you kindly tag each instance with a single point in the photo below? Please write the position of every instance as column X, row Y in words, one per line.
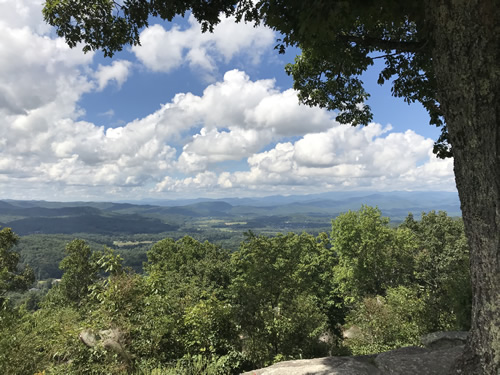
column 440, row 350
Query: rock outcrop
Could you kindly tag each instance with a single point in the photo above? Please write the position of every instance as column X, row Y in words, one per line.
column 440, row 351
column 110, row 339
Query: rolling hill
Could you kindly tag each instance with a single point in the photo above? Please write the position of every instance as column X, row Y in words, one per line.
column 300, row 211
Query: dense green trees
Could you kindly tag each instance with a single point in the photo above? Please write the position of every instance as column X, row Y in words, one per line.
column 80, row 271
column 11, row 278
column 401, row 282
column 441, row 270
column 172, row 263
column 371, row 256
column 187, row 284
column 201, row 309
column 277, row 296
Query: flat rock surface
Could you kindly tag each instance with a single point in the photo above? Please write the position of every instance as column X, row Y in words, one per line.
column 440, row 340
column 404, row 361
column 420, row 361
column 363, row 365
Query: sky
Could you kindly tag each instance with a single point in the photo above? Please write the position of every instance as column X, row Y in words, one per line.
column 188, row 115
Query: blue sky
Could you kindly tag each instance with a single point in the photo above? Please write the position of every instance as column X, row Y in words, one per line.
column 188, row 115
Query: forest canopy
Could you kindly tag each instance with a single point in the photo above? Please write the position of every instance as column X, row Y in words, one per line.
column 199, row 307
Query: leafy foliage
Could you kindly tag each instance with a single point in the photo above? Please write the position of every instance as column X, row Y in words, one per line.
column 11, row 278
column 442, row 270
column 277, row 297
column 384, row 323
column 371, row 256
column 108, row 25
column 80, row 271
column 432, row 292
column 199, row 309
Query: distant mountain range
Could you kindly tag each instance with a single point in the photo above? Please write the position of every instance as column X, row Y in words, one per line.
column 155, row 216
column 422, row 197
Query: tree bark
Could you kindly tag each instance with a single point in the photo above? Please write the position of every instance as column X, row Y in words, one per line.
column 466, row 60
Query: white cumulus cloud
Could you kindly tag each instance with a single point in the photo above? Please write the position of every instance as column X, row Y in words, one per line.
column 340, row 158
column 118, row 71
column 165, row 50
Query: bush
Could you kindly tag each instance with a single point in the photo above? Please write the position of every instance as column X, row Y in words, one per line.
column 387, row 323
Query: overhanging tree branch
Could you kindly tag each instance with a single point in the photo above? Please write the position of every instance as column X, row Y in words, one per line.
column 383, row 44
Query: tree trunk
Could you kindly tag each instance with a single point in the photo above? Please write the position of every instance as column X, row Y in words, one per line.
column 466, row 58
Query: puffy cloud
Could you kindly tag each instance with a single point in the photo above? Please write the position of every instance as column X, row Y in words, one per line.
column 347, row 155
column 209, row 147
column 83, row 154
column 206, row 180
column 165, row 50
column 24, row 13
column 280, row 111
column 42, row 81
column 42, row 140
column 161, row 51
column 118, row 71
column 37, row 70
column 340, row 158
column 47, row 145
column 238, row 101
column 236, row 126
column 41, row 73
column 227, row 104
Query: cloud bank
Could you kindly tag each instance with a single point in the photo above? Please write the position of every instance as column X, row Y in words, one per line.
column 239, row 136
column 164, row 50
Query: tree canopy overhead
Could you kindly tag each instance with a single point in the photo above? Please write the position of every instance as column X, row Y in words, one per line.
column 442, row 53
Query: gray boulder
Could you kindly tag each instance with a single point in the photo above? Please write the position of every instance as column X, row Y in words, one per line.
column 441, row 340
column 441, row 351
column 415, row 360
column 110, row 339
